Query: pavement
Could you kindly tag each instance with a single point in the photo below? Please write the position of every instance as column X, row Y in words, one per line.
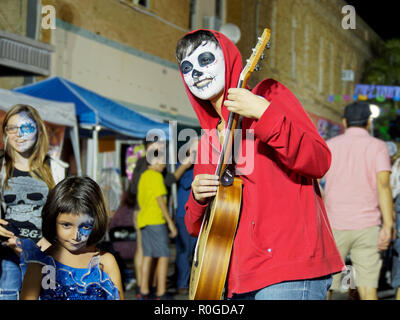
column 389, row 294
column 130, row 294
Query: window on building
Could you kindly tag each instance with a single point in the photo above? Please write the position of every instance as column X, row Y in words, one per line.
column 219, row 9
column 206, row 14
column 143, row 3
column 193, row 13
column 293, row 69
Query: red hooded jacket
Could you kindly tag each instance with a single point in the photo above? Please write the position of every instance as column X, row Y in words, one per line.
column 283, row 232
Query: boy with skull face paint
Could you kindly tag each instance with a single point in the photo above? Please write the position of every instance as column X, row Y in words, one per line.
column 284, row 248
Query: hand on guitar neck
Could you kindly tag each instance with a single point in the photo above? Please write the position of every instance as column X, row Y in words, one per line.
column 204, row 186
column 246, row 103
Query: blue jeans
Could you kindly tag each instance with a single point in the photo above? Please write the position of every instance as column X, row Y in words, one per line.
column 184, row 249
column 309, row 289
column 12, row 274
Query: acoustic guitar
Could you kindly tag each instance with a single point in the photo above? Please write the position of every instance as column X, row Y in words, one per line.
column 214, row 245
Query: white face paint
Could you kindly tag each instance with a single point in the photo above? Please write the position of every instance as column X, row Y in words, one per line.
column 204, row 71
column 22, row 132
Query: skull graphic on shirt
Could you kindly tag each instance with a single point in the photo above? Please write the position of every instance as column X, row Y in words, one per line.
column 24, row 200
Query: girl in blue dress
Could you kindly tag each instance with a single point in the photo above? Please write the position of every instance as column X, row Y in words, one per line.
column 75, row 219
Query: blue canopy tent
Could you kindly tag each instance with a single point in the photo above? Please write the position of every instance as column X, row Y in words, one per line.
column 96, row 112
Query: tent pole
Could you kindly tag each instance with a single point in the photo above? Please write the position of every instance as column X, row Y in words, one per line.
column 95, row 151
column 172, row 163
column 74, row 133
column 117, row 155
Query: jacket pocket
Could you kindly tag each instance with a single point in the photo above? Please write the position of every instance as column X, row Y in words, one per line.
column 260, row 244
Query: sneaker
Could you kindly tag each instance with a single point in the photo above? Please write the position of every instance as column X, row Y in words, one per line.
column 141, row 296
column 130, row 285
column 153, row 292
column 165, row 296
column 137, row 291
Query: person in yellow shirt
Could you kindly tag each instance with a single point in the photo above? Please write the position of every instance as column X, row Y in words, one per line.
column 154, row 222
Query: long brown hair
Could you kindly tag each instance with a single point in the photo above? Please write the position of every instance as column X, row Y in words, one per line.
column 38, row 168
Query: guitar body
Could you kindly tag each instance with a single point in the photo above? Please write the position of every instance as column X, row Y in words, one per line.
column 215, row 242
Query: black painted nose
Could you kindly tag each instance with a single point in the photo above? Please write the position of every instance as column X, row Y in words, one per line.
column 196, row 74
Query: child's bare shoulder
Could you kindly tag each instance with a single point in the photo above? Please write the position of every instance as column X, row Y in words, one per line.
column 106, row 256
column 107, row 259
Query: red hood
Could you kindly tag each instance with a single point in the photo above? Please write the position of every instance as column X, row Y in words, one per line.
column 205, row 112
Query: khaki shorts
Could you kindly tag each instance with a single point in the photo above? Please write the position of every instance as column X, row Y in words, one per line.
column 366, row 262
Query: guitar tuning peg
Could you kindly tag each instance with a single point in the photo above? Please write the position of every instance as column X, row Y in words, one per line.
column 257, row 67
column 269, row 44
column 262, row 57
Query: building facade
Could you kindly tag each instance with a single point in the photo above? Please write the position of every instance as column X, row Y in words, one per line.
column 124, row 49
column 309, row 48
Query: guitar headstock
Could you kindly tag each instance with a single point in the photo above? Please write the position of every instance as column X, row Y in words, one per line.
column 263, row 42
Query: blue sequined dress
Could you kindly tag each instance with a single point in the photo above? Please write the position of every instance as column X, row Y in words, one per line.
column 62, row 282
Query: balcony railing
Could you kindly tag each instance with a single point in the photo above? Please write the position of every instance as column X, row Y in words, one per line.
column 23, row 56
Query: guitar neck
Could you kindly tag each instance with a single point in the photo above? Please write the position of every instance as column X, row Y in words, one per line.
column 225, row 157
column 226, row 149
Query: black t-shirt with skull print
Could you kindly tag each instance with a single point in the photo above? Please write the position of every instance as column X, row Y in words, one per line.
column 23, row 202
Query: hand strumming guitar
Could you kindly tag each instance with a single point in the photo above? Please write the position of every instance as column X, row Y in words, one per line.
column 204, row 186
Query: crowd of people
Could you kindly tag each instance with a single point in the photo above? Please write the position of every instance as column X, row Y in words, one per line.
column 52, row 226
column 294, row 235
column 153, row 223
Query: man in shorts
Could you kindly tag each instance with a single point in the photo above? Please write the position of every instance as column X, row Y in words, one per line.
column 358, row 199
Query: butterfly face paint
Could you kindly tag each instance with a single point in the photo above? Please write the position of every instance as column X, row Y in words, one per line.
column 22, row 132
column 85, row 227
column 73, row 230
column 204, row 71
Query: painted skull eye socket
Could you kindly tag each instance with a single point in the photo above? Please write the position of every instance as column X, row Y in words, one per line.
column 35, row 196
column 9, row 198
column 186, row 67
column 206, row 58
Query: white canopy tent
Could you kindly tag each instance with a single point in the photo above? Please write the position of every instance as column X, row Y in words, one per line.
column 59, row 113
